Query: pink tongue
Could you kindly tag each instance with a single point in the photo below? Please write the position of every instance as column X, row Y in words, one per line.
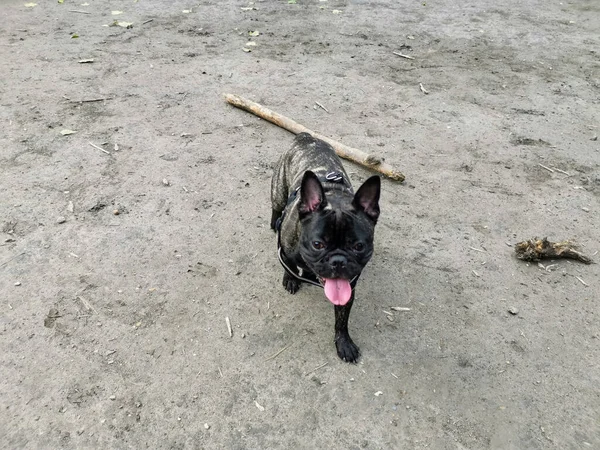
column 337, row 290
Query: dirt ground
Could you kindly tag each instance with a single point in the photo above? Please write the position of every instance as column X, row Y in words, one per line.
column 112, row 326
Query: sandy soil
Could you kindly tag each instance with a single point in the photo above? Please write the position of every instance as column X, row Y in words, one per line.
column 112, row 327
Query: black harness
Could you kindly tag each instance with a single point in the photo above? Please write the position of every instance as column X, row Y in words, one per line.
column 310, row 278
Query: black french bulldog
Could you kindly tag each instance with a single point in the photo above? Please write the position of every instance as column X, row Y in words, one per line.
column 325, row 231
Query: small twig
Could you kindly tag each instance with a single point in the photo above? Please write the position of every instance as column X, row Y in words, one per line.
column 423, row 90
column 477, row 249
column 402, row 55
column 476, row 274
column 400, row 308
column 229, row 326
column 220, row 373
column 278, row 353
column 562, row 171
column 394, row 375
column 99, row 148
column 91, row 100
column 147, row 21
column 547, row 168
column 318, row 104
column 79, row 11
column 10, row 259
column 582, row 282
column 388, row 313
column 315, row 369
column 87, row 304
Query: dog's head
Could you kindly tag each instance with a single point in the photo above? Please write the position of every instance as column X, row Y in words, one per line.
column 336, row 239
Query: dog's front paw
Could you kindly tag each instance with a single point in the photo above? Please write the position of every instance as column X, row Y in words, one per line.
column 346, row 349
column 290, row 283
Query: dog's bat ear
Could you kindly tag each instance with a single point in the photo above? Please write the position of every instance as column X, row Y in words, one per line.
column 312, row 196
column 367, row 198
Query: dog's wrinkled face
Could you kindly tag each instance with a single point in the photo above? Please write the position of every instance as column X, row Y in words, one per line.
column 336, row 240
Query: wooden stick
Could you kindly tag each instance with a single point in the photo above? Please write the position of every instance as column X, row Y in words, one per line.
column 342, row 150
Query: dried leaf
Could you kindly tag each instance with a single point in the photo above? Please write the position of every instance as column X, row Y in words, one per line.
column 30, row 5
column 74, row 36
column 67, row 132
column 254, row 33
column 118, row 23
column 84, row 61
column 248, row 8
column 186, row 11
column 61, row 1
column 251, row 43
column 292, row 2
column 247, row 50
column 336, row 11
column 116, row 13
column 85, row 4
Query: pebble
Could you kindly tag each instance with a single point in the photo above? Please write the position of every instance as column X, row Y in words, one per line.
column 513, row 311
column 166, row 182
column 18, row 283
column 116, row 212
column 113, row 397
column 206, row 426
column 61, row 219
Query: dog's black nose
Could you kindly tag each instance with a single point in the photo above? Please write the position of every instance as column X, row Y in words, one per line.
column 338, row 262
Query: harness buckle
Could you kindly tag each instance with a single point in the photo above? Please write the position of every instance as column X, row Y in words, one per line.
column 336, row 177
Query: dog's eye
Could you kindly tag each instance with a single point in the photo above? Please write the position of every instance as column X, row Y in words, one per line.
column 318, row 245
column 359, row 247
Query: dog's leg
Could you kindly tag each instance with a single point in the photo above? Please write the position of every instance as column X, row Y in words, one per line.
column 275, row 215
column 290, row 283
column 346, row 349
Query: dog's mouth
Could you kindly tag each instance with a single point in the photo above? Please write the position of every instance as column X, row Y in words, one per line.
column 337, row 290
